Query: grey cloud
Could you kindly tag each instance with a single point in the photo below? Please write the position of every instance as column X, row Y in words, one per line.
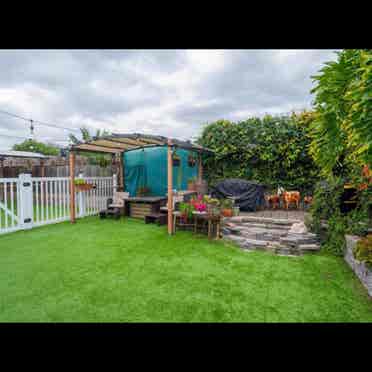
column 127, row 87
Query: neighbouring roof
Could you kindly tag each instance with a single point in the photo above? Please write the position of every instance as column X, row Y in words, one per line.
column 21, row 154
column 116, row 143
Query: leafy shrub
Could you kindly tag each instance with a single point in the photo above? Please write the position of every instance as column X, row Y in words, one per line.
column 227, row 203
column 335, row 241
column 363, row 250
column 326, row 201
column 272, row 150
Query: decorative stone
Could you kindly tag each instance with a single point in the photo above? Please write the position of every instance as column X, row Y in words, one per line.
column 298, row 228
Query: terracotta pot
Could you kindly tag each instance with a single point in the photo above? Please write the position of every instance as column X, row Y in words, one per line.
column 227, row 212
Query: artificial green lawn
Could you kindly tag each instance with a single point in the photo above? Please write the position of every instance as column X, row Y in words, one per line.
column 126, row 271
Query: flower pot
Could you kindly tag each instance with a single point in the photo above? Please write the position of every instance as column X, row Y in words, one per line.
column 227, row 212
column 236, row 211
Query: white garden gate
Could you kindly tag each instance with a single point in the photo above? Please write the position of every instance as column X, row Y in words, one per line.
column 27, row 202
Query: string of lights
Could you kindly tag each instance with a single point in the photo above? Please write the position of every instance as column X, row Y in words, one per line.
column 33, row 121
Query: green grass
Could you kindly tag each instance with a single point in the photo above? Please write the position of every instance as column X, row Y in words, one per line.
column 126, row 271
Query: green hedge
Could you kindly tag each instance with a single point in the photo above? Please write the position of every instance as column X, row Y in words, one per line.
column 272, row 150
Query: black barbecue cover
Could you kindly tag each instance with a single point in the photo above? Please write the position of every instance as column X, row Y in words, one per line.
column 248, row 195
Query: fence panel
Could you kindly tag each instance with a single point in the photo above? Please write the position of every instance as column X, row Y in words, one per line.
column 50, row 198
column 9, row 205
column 28, row 201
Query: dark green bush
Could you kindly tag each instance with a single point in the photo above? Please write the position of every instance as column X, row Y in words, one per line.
column 272, row 150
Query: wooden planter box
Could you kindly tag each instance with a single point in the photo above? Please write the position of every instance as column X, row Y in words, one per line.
column 84, row 187
column 360, row 268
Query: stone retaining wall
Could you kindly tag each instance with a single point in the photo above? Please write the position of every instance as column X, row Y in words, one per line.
column 361, row 270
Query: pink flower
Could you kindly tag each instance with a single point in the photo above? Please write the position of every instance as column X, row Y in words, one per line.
column 200, row 207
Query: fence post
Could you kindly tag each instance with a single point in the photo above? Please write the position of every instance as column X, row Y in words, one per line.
column 26, row 207
column 81, row 196
column 115, row 182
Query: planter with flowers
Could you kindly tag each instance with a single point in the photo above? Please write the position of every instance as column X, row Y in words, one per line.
column 82, row 185
column 186, row 210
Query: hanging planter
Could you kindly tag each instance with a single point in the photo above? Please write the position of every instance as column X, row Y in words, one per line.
column 81, row 185
column 191, row 161
column 176, row 160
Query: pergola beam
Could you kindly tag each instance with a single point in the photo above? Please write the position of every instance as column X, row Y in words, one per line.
column 113, row 144
column 95, row 148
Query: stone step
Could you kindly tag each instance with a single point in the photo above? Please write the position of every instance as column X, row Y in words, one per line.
column 309, row 247
column 264, row 220
column 264, row 225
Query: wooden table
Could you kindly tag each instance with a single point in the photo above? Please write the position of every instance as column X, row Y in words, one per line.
column 140, row 206
column 212, row 220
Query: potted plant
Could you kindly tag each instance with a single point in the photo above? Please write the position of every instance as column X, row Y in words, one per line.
column 227, row 207
column 199, row 204
column 82, row 185
column 186, row 210
column 212, row 205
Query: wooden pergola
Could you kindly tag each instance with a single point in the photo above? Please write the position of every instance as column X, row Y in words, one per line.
column 117, row 144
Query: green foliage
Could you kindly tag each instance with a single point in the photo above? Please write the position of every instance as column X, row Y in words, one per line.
column 335, row 241
column 325, row 209
column 363, row 250
column 102, row 160
column 326, row 201
column 227, row 203
column 186, row 209
column 271, row 150
column 35, row 146
column 342, row 129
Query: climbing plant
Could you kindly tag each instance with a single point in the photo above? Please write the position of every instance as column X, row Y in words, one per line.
column 342, row 129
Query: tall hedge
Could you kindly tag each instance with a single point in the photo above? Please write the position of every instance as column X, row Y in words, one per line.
column 272, row 150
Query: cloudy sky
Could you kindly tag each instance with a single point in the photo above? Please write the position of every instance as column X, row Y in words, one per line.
column 166, row 92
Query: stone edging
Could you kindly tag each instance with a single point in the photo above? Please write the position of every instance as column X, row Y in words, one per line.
column 360, row 269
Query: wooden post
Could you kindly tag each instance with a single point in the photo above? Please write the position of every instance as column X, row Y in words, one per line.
column 122, row 164
column 170, row 188
column 1, row 167
column 72, row 187
column 42, row 166
column 120, row 168
column 200, row 170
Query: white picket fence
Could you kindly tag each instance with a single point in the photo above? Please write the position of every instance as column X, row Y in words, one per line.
column 27, row 202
